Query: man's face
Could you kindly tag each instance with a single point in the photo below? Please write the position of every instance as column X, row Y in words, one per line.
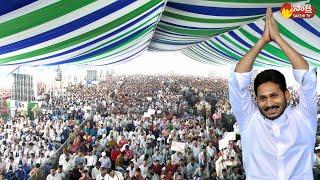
column 137, row 173
column 192, row 161
column 103, row 172
column 53, row 172
column 214, row 174
column 224, row 173
column 235, row 170
column 272, row 101
column 144, row 162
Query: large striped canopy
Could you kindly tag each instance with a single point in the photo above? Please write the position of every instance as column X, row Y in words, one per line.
column 54, row 32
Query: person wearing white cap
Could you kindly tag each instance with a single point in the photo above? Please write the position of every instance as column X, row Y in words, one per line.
column 105, row 160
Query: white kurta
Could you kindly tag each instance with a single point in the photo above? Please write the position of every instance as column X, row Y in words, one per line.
column 279, row 149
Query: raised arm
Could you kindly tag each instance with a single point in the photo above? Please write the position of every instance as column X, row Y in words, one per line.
column 305, row 77
column 245, row 64
column 240, row 97
column 295, row 58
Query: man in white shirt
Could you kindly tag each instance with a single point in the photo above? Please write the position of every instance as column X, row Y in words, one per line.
column 66, row 163
column 91, row 159
column 211, row 149
column 191, row 167
column 95, row 170
column 41, row 159
column 131, row 168
column 144, row 168
column 113, row 175
column 196, row 149
column 97, row 117
column 54, row 175
column 157, row 156
column 278, row 140
column 102, row 174
column 176, row 157
column 60, row 172
column 11, row 165
column 105, row 160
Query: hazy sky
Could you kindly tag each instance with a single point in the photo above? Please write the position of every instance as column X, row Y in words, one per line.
column 166, row 62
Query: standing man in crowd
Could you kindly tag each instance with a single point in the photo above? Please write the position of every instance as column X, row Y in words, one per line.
column 278, row 140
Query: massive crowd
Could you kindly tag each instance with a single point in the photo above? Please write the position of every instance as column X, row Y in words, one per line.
column 133, row 127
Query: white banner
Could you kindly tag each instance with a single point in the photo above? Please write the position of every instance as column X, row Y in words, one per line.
column 178, row 146
column 151, row 111
column 146, row 115
column 230, row 163
column 223, row 143
column 230, row 136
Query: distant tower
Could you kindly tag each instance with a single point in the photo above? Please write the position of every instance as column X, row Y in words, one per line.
column 59, row 74
column 91, row 76
column 23, row 89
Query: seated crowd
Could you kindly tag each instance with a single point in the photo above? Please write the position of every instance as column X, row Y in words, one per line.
column 130, row 128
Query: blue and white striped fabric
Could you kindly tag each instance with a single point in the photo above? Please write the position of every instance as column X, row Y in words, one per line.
column 105, row 32
column 302, row 34
column 89, row 32
column 187, row 22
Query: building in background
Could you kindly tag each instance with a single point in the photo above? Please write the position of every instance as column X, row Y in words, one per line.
column 23, row 89
column 58, row 74
column 4, row 98
column 91, row 76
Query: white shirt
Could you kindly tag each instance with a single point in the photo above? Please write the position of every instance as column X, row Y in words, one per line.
column 95, row 172
column 175, row 158
column 117, row 176
column 56, row 177
column 99, row 176
column 282, row 148
column 66, row 165
column 211, row 151
column 13, row 165
column 158, row 157
column 220, row 165
column 144, row 170
column 41, row 160
column 91, row 160
column 196, row 150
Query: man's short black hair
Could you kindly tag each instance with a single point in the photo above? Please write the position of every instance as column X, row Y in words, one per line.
column 98, row 163
column 270, row 75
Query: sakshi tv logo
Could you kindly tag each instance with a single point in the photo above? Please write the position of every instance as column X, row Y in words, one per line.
column 297, row 11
